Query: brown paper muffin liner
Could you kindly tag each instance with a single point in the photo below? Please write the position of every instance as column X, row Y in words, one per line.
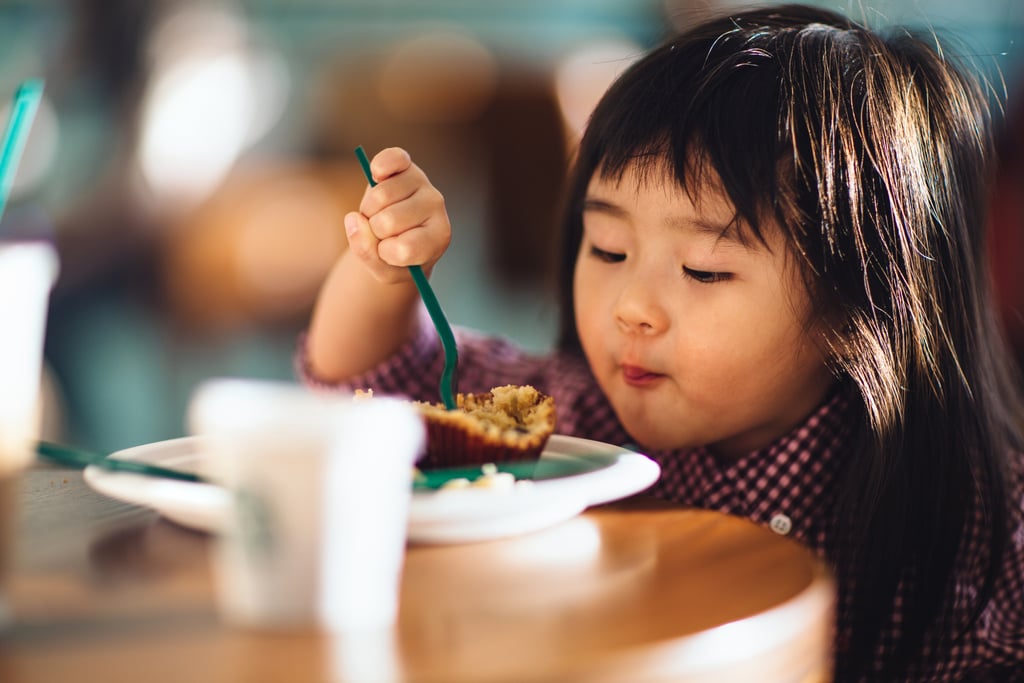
column 462, row 438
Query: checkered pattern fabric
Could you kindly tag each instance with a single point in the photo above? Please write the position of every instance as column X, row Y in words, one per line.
column 790, row 486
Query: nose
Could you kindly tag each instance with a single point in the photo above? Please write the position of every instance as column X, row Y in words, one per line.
column 638, row 310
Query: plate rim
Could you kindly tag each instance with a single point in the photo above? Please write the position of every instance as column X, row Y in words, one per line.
column 428, row 518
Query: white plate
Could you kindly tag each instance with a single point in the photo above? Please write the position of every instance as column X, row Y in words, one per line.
column 598, row 473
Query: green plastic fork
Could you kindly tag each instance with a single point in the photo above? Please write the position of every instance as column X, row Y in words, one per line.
column 444, row 330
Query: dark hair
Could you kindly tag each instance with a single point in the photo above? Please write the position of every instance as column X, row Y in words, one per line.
column 872, row 153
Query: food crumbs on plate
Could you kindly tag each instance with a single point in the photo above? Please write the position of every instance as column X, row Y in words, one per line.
column 490, row 478
column 495, row 480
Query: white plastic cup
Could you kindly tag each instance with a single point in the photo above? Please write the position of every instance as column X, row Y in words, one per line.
column 321, row 485
column 27, row 273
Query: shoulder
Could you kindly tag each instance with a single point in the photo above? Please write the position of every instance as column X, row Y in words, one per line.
column 999, row 636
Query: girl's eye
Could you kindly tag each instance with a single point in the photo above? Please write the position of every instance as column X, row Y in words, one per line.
column 704, row 276
column 606, row 256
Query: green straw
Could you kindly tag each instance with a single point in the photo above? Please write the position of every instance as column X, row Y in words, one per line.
column 23, row 111
column 444, row 330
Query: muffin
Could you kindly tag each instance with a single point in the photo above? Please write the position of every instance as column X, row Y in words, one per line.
column 509, row 423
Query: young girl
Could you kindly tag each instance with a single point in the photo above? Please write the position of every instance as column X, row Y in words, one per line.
column 774, row 282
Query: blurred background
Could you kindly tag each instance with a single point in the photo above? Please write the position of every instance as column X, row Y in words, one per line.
column 192, row 160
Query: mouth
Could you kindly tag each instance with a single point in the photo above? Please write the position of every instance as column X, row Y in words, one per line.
column 639, row 377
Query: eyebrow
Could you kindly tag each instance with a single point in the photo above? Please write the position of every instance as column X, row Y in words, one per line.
column 593, row 204
column 729, row 233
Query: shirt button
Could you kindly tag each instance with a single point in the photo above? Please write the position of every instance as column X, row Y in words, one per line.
column 781, row 524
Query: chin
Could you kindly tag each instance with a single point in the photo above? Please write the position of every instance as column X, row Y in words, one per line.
column 651, row 436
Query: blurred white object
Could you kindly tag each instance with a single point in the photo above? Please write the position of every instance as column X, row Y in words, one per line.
column 321, row 486
column 27, row 273
column 214, row 91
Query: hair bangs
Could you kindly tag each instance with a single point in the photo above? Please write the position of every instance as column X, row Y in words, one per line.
column 722, row 130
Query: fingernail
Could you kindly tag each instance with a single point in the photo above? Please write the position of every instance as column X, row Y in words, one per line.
column 351, row 225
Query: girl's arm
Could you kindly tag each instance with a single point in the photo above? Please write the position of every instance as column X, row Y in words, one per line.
column 367, row 307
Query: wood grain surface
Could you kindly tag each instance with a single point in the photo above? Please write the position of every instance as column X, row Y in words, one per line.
column 636, row 591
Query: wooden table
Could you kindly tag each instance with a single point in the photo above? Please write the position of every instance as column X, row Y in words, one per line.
column 633, row 592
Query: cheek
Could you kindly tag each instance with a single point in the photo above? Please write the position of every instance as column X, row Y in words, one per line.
column 781, row 347
column 582, row 297
column 587, row 302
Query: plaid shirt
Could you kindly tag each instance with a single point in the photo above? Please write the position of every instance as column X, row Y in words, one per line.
column 789, row 486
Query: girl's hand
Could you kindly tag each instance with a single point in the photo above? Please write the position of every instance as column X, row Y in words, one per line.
column 401, row 221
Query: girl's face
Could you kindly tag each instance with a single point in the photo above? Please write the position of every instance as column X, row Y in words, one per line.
column 696, row 338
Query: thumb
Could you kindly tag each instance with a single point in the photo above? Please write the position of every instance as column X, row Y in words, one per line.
column 364, row 245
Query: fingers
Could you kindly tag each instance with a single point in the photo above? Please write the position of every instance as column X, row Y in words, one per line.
column 421, row 209
column 396, row 187
column 363, row 244
column 389, row 162
column 401, row 221
column 388, row 259
column 414, row 248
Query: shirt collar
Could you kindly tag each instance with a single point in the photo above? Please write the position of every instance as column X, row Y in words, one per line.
column 793, row 477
